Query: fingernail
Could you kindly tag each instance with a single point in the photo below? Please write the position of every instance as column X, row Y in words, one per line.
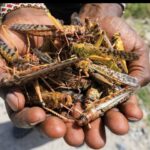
column 12, row 101
column 35, row 123
column 133, row 119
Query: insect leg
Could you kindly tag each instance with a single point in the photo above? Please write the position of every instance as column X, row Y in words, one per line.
column 100, row 39
column 47, row 84
column 38, row 91
column 28, row 47
column 57, row 114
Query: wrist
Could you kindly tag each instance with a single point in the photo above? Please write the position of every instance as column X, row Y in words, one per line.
column 100, row 10
column 6, row 8
column 25, row 15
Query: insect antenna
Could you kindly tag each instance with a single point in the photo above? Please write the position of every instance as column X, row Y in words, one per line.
column 28, row 46
column 47, row 84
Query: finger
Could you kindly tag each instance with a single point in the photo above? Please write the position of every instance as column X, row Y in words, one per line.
column 116, row 122
column 53, row 127
column 143, row 74
column 28, row 117
column 131, row 109
column 2, row 67
column 140, row 68
column 95, row 137
column 77, row 110
column 74, row 135
column 15, row 100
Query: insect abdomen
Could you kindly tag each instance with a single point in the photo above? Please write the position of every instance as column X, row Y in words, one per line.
column 87, row 49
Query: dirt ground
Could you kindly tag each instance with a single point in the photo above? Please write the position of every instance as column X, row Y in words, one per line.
column 137, row 138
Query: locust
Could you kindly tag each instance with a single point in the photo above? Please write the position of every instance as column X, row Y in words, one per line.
column 87, row 49
column 99, row 107
column 76, row 63
column 87, row 67
column 23, row 77
column 48, row 30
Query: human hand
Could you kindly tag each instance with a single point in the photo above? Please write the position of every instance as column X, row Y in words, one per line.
column 53, row 126
column 20, row 115
column 117, row 119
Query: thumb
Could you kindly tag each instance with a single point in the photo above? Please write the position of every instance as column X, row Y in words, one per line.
column 132, row 42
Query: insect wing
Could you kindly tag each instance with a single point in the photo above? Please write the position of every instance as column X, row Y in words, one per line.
column 114, row 101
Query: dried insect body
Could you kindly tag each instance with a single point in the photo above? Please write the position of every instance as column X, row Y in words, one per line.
column 70, row 81
column 22, row 77
column 98, row 108
column 120, row 78
column 87, row 49
column 93, row 94
column 37, row 30
column 9, row 54
column 114, row 77
column 68, row 33
column 48, row 30
column 75, row 63
column 118, row 44
column 43, row 57
column 54, row 100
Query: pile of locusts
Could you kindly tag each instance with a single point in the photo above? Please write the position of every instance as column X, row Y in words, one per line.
column 76, row 63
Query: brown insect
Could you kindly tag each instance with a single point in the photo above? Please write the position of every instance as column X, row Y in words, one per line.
column 99, row 107
column 75, row 63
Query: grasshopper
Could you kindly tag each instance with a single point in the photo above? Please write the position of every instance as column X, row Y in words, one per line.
column 75, row 63
column 99, row 107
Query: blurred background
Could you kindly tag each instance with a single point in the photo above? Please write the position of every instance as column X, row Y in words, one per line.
column 137, row 16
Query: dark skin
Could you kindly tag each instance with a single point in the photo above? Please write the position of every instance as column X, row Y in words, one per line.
column 115, row 119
